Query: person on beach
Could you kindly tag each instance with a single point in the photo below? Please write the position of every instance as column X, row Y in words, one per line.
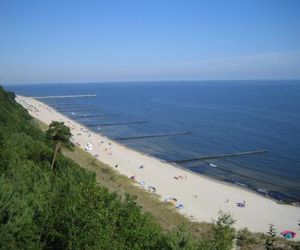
column 241, row 204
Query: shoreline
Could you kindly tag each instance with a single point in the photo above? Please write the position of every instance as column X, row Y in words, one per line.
column 175, row 165
column 202, row 196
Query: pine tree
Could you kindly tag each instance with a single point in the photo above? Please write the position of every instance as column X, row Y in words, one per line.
column 60, row 134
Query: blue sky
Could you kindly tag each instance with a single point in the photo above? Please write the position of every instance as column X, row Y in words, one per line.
column 78, row 41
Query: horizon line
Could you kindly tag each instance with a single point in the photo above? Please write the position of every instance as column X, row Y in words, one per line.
column 152, row 81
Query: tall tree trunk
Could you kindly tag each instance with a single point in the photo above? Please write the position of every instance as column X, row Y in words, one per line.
column 54, row 156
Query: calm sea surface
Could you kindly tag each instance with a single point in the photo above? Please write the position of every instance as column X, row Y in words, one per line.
column 223, row 117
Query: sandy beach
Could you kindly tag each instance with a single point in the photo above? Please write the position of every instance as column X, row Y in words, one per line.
column 201, row 197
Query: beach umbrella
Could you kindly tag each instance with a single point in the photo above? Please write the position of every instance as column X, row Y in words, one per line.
column 288, row 234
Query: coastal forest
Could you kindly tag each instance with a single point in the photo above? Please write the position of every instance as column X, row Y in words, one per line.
column 63, row 207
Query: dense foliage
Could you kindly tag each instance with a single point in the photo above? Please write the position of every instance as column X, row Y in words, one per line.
column 66, row 208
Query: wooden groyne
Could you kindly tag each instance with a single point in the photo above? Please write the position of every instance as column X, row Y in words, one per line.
column 151, row 136
column 79, row 108
column 91, row 116
column 71, row 107
column 220, row 156
column 114, row 124
column 62, row 96
column 59, row 101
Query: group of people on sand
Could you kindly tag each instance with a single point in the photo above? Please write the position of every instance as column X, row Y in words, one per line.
column 142, row 183
column 108, row 151
column 152, row 189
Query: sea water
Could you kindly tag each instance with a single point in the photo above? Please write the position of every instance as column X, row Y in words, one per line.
column 223, row 117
